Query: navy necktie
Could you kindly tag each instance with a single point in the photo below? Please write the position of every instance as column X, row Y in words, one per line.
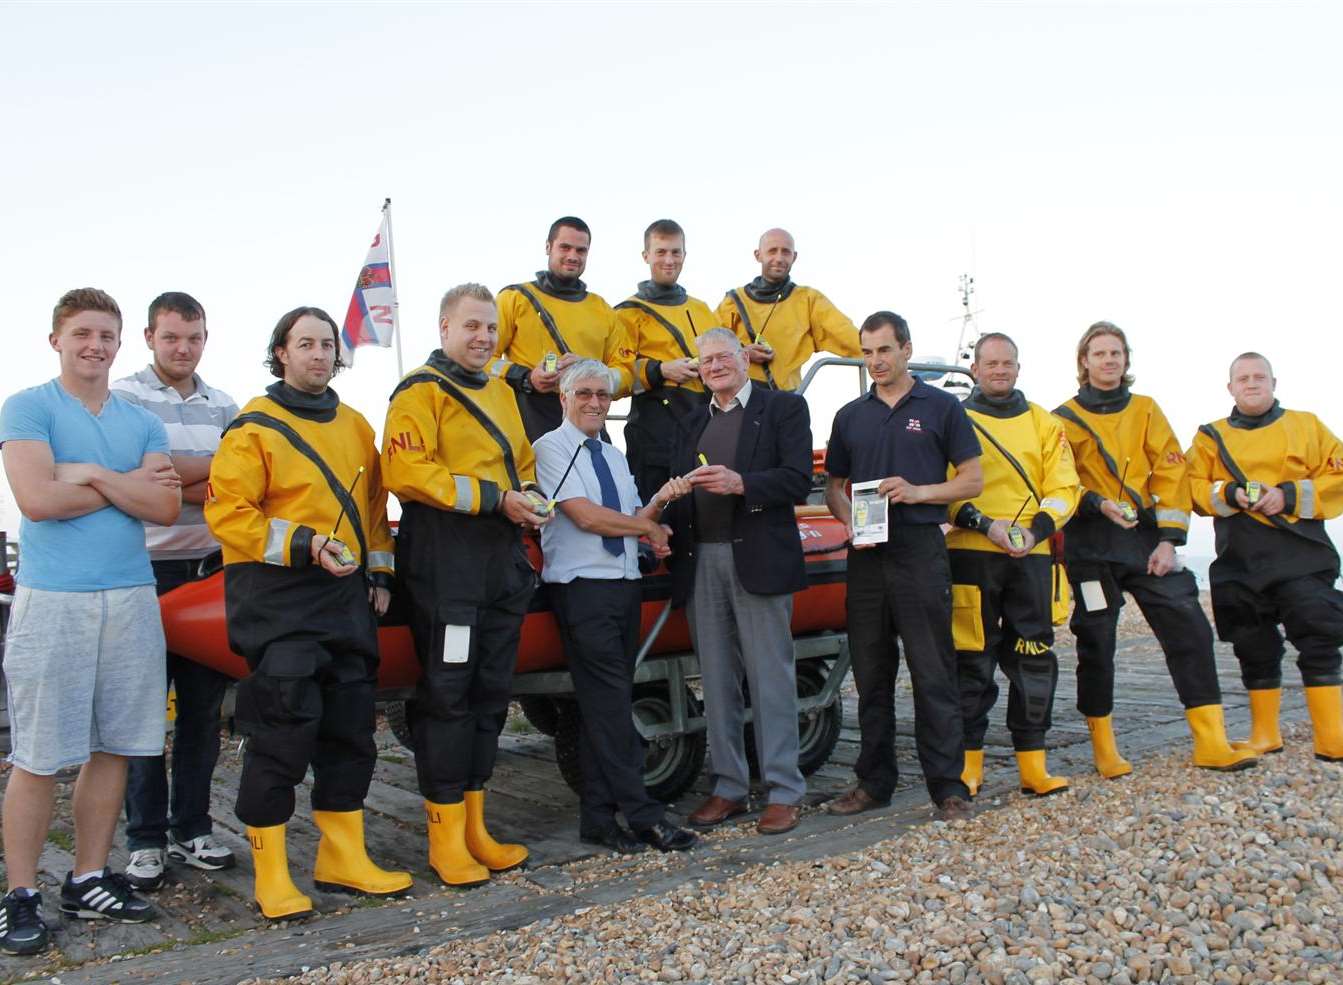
column 615, row 546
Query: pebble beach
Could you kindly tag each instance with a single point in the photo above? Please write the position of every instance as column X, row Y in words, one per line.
column 1170, row 875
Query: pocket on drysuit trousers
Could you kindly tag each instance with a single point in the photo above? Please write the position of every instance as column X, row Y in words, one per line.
column 967, row 618
column 454, row 634
column 282, row 689
column 1060, row 594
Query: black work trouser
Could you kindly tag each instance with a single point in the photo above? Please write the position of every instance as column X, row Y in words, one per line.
column 310, row 641
column 903, row 588
column 599, row 623
column 199, row 694
column 1001, row 614
column 466, row 580
column 1308, row 607
column 1171, row 607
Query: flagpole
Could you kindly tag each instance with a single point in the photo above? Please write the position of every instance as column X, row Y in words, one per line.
column 396, row 301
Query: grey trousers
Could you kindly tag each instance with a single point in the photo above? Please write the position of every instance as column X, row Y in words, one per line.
column 740, row 636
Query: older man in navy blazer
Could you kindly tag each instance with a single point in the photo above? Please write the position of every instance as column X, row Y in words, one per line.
column 737, row 563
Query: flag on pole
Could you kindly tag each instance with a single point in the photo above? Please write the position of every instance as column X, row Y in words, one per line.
column 371, row 317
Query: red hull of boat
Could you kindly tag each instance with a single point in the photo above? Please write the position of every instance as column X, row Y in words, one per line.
column 194, row 620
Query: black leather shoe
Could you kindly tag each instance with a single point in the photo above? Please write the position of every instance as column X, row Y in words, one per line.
column 667, row 837
column 615, row 838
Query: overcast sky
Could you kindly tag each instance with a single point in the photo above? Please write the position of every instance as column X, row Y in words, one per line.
column 1172, row 168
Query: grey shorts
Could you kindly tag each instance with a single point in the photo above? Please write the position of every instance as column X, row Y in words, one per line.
column 85, row 673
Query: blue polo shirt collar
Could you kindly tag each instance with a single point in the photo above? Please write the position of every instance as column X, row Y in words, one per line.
column 919, row 391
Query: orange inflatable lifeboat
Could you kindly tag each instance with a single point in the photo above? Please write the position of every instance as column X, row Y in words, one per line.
column 194, row 620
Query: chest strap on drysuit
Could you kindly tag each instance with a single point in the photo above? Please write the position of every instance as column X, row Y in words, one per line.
column 1067, row 414
column 547, row 319
column 1238, row 475
column 1056, row 563
column 309, row 452
column 472, row 408
column 1011, row 460
column 672, row 329
column 750, row 329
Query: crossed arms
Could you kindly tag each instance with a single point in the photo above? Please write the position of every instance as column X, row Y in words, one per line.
column 45, row 490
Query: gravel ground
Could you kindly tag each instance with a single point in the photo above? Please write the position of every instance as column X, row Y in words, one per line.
column 1170, row 875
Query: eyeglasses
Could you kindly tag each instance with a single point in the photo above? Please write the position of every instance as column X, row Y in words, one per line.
column 721, row 357
column 603, row 395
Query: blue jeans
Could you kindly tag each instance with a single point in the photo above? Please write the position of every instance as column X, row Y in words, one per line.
column 200, row 692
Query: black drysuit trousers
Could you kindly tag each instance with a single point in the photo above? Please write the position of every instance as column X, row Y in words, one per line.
column 1308, row 607
column 467, row 585
column 310, row 641
column 1001, row 615
column 1171, row 607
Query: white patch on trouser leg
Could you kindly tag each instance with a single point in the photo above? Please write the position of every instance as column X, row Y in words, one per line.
column 1093, row 596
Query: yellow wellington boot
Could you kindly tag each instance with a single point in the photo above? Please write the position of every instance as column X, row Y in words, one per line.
column 1105, row 751
column 275, row 892
column 1265, row 736
column 1326, row 717
column 342, row 861
column 483, row 848
column 973, row 774
column 447, row 846
column 1035, row 776
column 1211, row 749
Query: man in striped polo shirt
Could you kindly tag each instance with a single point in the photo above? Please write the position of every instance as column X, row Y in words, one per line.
column 195, row 415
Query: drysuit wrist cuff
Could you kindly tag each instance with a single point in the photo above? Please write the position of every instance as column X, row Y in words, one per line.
column 300, row 546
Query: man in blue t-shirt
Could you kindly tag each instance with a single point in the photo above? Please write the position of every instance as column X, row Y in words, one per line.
column 909, row 436
column 82, row 654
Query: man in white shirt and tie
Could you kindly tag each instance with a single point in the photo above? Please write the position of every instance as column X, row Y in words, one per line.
column 591, row 555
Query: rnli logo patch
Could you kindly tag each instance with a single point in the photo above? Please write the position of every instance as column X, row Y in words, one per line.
column 913, row 425
column 1031, row 647
column 1174, row 458
column 404, row 441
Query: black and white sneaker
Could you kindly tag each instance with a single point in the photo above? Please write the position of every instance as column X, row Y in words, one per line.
column 145, row 869
column 22, row 929
column 109, row 896
column 202, row 852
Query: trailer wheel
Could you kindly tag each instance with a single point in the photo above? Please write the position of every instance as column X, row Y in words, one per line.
column 542, row 712
column 395, row 713
column 671, row 764
column 817, row 730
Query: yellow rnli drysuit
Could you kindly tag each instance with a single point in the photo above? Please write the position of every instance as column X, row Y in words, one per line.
column 660, row 324
column 1117, row 435
column 453, row 445
column 550, row 315
column 288, row 468
column 1000, row 604
column 795, row 321
column 1277, row 570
